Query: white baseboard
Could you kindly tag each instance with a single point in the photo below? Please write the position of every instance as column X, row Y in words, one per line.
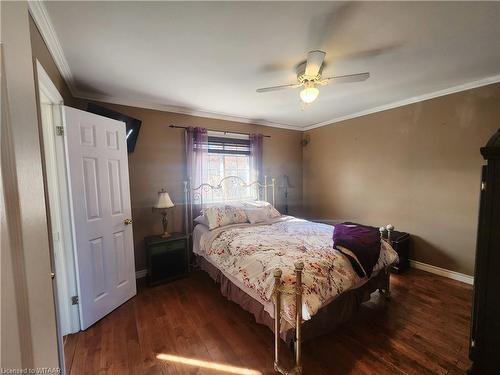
column 442, row 272
column 141, row 273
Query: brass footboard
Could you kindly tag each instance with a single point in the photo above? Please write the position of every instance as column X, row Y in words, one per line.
column 278, row 289
column 277, row 292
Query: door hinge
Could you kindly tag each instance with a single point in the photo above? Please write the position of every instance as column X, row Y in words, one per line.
column 59, row 130
column 483, row 185
column 74, row 300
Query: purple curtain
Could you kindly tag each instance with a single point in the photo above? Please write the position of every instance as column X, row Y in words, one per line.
column 196, row 155
column 256, row 173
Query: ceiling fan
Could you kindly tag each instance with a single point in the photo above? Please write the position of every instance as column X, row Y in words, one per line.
column 309, row 76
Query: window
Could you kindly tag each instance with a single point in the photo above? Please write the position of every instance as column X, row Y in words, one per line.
column 228, row 157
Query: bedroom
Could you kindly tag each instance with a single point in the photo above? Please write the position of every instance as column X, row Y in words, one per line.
column 399, row 145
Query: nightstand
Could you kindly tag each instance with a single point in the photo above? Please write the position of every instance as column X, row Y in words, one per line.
column 401, row 243
column 167, row 258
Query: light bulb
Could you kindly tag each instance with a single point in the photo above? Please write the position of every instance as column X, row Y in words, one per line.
column 309, row 93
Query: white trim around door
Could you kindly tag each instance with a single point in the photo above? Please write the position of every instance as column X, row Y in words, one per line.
column 51, row 103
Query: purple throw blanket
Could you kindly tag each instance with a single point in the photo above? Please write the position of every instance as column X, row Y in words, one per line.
column 360, row 240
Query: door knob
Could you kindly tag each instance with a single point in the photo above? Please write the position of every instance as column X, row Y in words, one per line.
column 127, row 221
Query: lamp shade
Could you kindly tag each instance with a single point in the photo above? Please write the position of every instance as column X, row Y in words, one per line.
column 164, row 200
column 286, row 181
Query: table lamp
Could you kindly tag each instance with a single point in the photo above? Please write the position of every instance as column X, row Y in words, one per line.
column 164, row 203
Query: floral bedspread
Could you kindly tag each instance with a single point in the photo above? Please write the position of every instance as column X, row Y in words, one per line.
column 251, row 252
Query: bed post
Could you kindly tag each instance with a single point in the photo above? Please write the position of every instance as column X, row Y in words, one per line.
column 299, row 267
column 382, row 231
column 265, row 188
column 386, row 290
column 389, row 228
column 190, row 198
column 186, row 219
column 297, row 369
column 277, row 317
column 273, row 180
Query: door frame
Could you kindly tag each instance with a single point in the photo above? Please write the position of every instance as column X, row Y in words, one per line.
column 61, row 222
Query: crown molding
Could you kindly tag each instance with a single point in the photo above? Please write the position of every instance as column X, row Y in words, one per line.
column 42, row 20
column 415, row 99
column 227, row 117
column 184, row 111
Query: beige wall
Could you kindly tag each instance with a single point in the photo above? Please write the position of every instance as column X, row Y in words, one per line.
column 417, row 167
column 159, row 161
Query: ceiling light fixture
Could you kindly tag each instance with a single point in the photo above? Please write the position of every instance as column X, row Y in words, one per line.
column 309, row 77
column 309, row 93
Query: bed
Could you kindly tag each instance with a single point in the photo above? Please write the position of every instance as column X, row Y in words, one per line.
column 272, row 266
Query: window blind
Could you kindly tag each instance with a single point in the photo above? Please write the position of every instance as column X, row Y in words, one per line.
column 223, row 145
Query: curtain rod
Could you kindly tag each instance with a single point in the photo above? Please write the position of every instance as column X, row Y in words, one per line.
column 217, row 130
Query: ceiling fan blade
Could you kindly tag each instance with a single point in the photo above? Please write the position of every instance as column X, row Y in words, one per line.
column 276, row 88
column 314, row 63
column 373, row 52
column 326, row 29
column 348, row 78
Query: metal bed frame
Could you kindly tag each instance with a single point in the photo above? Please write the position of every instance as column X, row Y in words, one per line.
column 194, row 195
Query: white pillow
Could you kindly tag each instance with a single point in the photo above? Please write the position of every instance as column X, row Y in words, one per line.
column 219, row 216
column 261, row 214
column 202, row 219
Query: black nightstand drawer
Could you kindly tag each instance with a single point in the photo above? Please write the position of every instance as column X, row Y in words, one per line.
column 167, row 258
column 159, row 249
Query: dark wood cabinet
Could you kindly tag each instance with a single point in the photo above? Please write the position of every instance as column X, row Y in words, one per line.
column 485, row 327
column 167, row 258
column 401, row 243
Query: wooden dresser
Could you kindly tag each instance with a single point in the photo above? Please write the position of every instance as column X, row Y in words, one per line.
column 485, row 326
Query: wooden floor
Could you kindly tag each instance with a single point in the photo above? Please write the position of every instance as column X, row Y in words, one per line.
column 423, row 330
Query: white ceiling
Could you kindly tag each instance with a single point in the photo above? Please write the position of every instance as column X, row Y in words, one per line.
column 211, row 57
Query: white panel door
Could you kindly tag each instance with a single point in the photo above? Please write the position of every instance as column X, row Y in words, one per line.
column 96, row 150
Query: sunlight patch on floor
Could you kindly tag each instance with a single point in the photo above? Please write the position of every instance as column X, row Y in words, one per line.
column 208, row 365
